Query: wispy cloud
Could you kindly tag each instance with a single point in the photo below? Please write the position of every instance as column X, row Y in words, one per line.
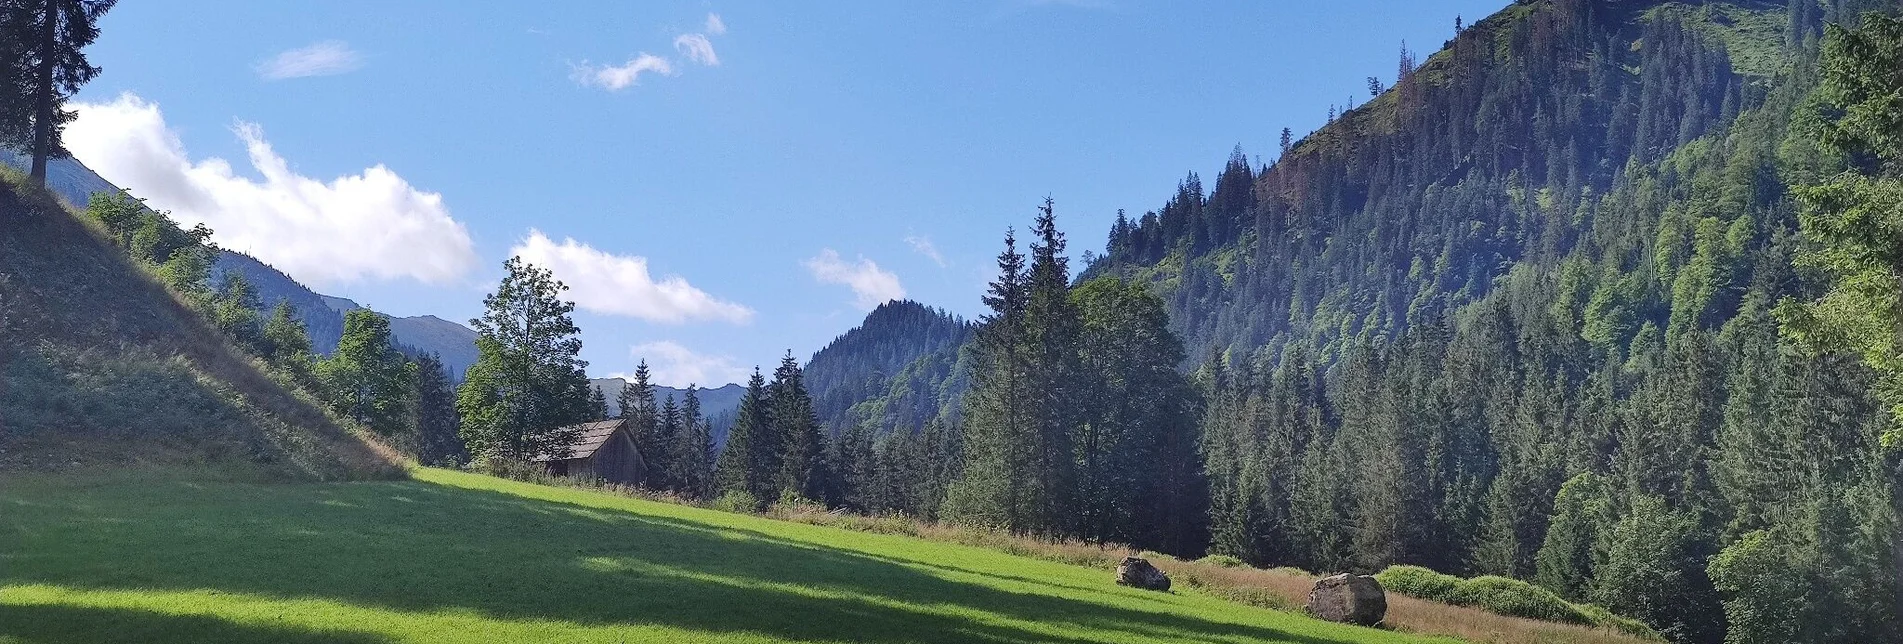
column 615, row 78
column 923, row 246
column 674, row 365
column 694, row 47
column 870, row 284
column 621, row 285
column 697, row 48
column 327, row 58
column 368, row 225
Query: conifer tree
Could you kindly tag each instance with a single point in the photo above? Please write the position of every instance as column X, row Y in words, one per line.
column 695, row 455
column 803, row 470
column 437, row 437
column 1053, row 330
column 45, row 40
column 597, row 404
column 750, row 463
column 993, row 488
column 664, row 466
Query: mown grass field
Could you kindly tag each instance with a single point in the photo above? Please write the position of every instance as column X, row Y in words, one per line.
column 453, row 557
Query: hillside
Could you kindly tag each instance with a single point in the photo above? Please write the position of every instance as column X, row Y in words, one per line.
column 100, row 365
column 452, row 557
column 322, row 315
column 899, row 342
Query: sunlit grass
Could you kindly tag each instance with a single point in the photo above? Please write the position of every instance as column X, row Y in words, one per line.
column 456, row 557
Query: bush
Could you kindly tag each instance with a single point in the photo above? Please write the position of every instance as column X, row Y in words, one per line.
column 1504, row 596
column 1605, row 619
column 1222, row 561
column 1415, row 581
column 737, row 502
column 1517, row 598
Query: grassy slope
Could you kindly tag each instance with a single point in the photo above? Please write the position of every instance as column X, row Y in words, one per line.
column 100, row 364
column 460, row 557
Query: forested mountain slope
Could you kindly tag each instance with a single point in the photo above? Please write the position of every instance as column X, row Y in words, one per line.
column 101, row 365
column 1538, row 298
column 900, row 342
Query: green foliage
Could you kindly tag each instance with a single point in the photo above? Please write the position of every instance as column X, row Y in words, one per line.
column 45, row 63
column 737, row 502
column 528, row 388
column 1576, row 535
column 1078, row 423
column 101, row 365
column 752, row 461
column 803, row 468
column 367, row 380
column 1223, row 561
column 1654, row 571
column 1503, row 596
column 1854, row 220
column 438, row 439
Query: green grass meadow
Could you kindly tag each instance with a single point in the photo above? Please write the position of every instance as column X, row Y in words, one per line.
column 453, row 557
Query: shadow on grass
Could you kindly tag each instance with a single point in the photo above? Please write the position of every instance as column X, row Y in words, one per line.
column 41, row 624
column 421, row 547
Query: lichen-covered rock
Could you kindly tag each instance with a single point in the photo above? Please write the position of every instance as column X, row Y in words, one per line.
column 1353, row 599
column 1136, row 572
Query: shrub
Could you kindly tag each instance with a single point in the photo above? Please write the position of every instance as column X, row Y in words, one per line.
column 1221, row 561
column 1415, row 581
column 1517, row 598
column 737, row 502
column 1505, row 596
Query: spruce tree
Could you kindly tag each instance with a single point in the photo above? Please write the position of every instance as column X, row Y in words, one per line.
column 992, row 490
column 1053, row 330
column 437, row 438
column 45, row 41
column 694, row 457
column 750, row 462
column 803, row 470
column 664, row 467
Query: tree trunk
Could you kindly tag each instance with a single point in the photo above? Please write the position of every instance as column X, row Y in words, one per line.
column 43, row 94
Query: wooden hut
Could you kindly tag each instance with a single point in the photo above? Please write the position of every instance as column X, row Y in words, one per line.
column 602, row 450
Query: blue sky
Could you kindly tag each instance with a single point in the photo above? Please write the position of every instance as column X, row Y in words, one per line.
column 719, row 181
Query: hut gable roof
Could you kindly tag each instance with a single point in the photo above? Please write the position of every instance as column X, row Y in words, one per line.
column 590, row 438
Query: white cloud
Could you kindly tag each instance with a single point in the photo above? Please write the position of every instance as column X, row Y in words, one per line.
column 327, row 58
column 715, row 25
column 677, row 366
column 373, row 224
column 923, row 246
column 621, row 285
column 696, row 48
column 616, row 78
column 872, row 285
